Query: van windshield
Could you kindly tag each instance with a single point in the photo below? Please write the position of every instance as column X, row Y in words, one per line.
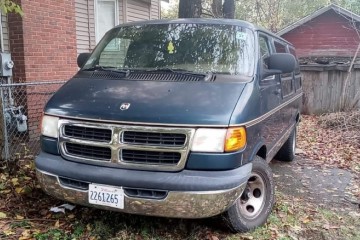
column 198, row 48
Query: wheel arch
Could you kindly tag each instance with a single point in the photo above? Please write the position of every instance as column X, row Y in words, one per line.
column 259, row 150
column 297, row 118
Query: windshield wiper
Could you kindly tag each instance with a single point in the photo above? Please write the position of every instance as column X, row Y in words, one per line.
column 207, row 75
column 109, row 69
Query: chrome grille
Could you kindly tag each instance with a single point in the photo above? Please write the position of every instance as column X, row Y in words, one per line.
column 154, row 138
column 92, row 152
column 85, row 133
column 150, row 157
column 132, row 147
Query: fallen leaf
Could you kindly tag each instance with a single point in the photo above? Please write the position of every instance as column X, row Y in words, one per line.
column 8, row 232
column 57, row 224
column 25, row 235
column 19, row 190
column 15, row 181
column 326, row 226
column 2, row 215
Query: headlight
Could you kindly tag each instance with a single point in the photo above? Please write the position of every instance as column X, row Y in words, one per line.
column 209, row 140
column 219, row 140
column 49, row 126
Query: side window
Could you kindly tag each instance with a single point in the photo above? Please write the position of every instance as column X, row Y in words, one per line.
column 280, row 48
column 264, row 49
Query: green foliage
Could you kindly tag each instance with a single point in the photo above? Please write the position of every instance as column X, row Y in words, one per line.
column 170, row 10
column 8, row 6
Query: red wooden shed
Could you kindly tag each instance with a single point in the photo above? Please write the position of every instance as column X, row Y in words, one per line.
column 330, row 31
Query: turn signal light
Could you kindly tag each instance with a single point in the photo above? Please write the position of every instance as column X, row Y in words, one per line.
column 235, row 139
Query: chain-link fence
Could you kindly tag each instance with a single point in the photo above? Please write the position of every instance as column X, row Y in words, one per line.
column 21, row 109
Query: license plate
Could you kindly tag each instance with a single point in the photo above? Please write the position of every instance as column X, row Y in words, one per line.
column 106, row 196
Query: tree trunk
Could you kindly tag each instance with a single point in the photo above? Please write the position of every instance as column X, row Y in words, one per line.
column 190, row 8
column 229, row 9
column 216, row 8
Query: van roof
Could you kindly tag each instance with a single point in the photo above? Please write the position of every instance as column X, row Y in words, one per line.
column 207, row 21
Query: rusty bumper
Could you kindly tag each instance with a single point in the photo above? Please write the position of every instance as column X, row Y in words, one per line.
column 177, row 204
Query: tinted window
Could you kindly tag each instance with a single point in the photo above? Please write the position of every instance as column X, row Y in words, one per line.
column 292, row 51
column 264, row 49
column 280, row 48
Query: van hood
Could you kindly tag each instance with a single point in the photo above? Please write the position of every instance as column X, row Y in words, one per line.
column 153, row 102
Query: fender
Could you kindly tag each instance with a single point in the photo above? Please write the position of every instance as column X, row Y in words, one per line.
column 260, row 144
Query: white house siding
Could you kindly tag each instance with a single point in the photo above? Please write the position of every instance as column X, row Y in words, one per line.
column 155, row 9
column 85, row 25
column 138, row 10
column 5, row 29
column 129, row 11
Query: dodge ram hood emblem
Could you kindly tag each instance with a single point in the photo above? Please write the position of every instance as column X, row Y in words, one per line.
column 124, row 106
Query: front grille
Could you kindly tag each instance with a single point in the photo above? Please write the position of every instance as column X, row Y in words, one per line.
column 88, row 133
column 85, row 151
column 152, row 148
column 154, row 138
column 145, row 193
column 150, row 157
column 74, row 183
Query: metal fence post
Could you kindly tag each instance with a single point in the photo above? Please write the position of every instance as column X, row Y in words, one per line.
column 5, row 131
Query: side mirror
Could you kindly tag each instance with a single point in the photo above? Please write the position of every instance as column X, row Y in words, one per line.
column 279, row 63
column 82, row 59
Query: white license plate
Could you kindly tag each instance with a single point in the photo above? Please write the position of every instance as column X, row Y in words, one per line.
column 106, row 196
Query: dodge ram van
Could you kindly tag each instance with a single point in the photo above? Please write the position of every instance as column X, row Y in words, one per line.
column 175, row 118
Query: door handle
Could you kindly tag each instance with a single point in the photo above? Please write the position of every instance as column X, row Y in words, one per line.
column 277, row 92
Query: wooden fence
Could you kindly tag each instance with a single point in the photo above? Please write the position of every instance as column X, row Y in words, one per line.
column 323, row 84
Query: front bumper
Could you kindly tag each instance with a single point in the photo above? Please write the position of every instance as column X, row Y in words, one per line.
column 190, row 194
column 176, row 204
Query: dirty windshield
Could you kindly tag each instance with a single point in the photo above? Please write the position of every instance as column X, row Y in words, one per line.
column 198, row 48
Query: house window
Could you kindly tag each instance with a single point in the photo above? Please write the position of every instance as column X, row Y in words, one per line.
column 106, row 14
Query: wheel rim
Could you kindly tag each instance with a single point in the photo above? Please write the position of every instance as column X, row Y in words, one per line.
column 294, row 143
column 252, row 200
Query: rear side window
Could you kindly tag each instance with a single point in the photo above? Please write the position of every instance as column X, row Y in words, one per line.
column 292, row 51
column 280, row 48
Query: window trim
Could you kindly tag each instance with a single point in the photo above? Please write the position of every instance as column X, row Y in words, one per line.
column 269, row 42
column 116, row 15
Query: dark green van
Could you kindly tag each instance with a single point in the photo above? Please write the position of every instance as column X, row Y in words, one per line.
column 175, row 118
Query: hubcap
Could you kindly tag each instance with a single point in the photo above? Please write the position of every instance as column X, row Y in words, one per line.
column 252, row 200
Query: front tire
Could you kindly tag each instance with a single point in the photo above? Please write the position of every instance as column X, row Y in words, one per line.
column 254, row 206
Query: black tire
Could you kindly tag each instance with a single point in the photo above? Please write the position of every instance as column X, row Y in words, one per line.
column 238, row 217
column 287, row 151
